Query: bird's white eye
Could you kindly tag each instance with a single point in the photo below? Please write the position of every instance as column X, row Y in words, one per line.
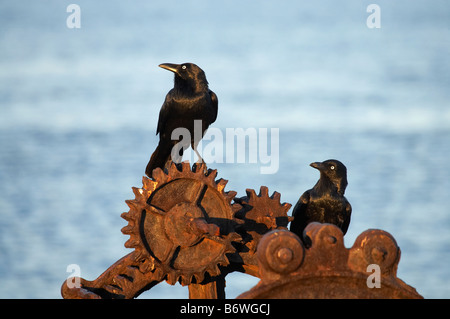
column 183, row 67
column 332, row 167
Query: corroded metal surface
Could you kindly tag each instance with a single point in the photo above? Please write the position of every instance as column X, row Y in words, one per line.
column 182, row 224
column 327, row 269
column 185, row 228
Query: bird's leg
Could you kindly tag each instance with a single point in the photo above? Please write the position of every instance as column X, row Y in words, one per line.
column 200, row 161
column 176, row 154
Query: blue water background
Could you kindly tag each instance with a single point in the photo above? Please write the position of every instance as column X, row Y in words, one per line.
column 79, row 107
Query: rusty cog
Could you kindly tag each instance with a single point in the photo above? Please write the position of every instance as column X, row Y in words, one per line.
column 181, row 224
column 261, row 214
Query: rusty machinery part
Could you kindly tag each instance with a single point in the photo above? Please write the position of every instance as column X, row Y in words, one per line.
column 181, row 224
column 280, row 253
column 122, row 280
column 326, row 269
column 262, row 213
column 185, row 228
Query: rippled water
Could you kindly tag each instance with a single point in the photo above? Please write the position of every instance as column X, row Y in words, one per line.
column 78, row 112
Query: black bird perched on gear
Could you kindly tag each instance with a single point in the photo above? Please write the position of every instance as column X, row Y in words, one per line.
column 189, row 100
column 325, row 202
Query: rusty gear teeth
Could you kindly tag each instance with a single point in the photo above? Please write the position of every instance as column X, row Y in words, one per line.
column 181, row 224
column 261, row 213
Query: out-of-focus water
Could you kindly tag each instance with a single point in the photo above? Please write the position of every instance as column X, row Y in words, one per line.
column 79, row 107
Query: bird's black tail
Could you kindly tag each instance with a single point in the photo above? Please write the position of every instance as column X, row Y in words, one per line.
column 158, row 159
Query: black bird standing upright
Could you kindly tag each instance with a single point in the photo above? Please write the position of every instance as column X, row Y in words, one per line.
column 325, row 202
column 189, row 100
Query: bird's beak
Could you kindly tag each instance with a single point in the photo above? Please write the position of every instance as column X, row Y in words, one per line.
column 170, row 66
column 317, row 165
